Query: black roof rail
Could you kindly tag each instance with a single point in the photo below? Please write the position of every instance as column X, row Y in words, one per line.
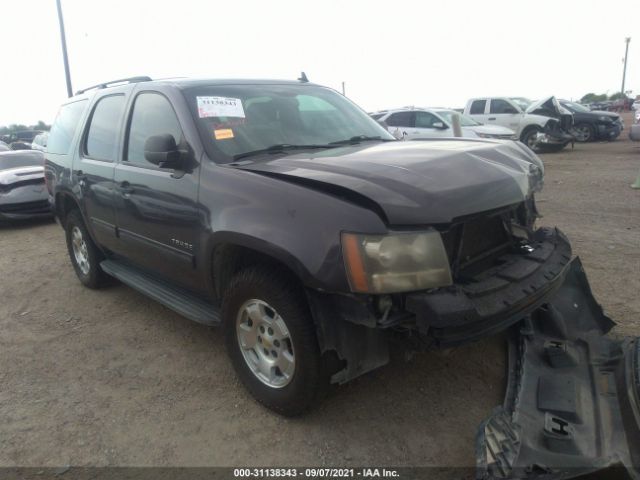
column 115, row 82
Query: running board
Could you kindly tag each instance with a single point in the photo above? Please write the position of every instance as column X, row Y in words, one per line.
column 177, row 299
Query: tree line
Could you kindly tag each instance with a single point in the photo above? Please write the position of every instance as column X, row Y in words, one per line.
column 603, row 97
column 17, row 127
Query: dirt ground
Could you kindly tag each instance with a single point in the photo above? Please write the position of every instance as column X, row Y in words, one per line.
column 111, row 378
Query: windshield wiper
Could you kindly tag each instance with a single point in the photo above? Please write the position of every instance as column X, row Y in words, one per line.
column 281, row 147
column 361, row 138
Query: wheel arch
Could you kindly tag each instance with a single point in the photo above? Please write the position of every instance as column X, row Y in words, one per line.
column 64, row 203
column 529, row 128
column 231, row 252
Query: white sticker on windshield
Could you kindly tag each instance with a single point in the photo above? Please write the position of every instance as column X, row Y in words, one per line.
column 219, row 107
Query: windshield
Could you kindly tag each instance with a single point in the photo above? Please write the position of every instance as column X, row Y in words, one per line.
column 465, row 121
column 234, row 120
column 575, row 107
column 522, row 102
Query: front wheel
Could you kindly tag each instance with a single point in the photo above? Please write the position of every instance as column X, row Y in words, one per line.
column 584, row 132
column 529, row 137
column 270, row 337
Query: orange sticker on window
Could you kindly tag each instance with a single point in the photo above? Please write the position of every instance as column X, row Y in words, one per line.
column 223, row 133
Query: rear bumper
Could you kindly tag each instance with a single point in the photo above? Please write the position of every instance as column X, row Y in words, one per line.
column 494, row 300
column 572, row 404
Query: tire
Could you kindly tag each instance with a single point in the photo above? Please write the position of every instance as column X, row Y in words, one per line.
column 529, row 135
column 84, row 254
column 584, row 133
column 280, row 364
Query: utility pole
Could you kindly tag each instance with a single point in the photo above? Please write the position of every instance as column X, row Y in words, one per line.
column 624, row 70
column 343, row 88
column 65, row 59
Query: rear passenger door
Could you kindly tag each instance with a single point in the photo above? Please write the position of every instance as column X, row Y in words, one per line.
column 93, row 171
column 156, row 213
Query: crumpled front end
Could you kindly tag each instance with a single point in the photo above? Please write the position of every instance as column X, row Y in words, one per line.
column 572, row 404
column 23, row 193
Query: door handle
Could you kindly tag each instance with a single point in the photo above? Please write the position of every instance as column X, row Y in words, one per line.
column 126, row 189
column 491, row 118
column 80, row 175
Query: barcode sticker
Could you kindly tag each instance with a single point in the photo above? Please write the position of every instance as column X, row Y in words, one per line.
column 220, row 107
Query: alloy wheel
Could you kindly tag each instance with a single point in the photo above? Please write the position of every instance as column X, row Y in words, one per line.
column 265, row 343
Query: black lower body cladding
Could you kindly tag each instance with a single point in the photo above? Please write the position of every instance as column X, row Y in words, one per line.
column 572, row 405
column 494, row 299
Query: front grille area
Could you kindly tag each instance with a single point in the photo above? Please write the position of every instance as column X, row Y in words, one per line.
column 39, row 206
column 475, row 242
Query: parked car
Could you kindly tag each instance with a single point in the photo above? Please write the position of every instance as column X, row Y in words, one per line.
column 22, row 191
column 601, row 106
column 635, row 106
column 21, row 139
column 284, row 213
column 40, row 142
column 411, row 123
column 4, row 147
column 542, row 126
column 593, row 125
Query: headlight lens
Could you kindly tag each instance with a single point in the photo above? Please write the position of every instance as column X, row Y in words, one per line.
column 398, row 262
column 602, row 118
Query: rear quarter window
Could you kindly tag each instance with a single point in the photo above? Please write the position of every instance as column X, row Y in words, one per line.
column 65, row 126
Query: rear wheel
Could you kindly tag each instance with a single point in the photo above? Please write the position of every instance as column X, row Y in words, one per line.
column 84, row 254
column 584, row 132
column 270, row 337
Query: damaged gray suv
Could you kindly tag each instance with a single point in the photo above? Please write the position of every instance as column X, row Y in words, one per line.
column 282, row 212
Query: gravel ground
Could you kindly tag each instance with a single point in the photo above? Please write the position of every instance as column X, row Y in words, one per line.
column 111, row 378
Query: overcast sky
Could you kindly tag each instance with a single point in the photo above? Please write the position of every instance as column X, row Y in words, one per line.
column 389, row 54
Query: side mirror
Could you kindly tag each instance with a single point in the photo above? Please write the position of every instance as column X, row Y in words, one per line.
column 438, row 125
column 162, row 150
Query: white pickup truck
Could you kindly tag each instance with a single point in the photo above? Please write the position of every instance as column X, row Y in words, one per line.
column 530, row 120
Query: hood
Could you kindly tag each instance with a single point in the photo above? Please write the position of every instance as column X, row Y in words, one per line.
column 20, row 158
column 417, row 182
column 548, row 107
column 491, row 129
column 603, row 113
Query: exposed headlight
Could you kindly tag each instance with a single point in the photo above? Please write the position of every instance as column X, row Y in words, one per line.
column 398, row 262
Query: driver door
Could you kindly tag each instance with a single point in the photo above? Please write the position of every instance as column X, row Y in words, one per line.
column 429, row 126
column 502, row 112
column 156, row 208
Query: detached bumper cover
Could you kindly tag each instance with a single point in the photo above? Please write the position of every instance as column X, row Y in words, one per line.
column 572, row 405
column 496, row 299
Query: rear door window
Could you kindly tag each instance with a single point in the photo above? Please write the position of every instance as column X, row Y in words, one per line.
column 401, row 119
column 65, row 126
column 102, row 133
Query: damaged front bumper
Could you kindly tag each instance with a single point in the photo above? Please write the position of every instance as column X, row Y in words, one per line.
column 494, row 299
column 572, row 404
